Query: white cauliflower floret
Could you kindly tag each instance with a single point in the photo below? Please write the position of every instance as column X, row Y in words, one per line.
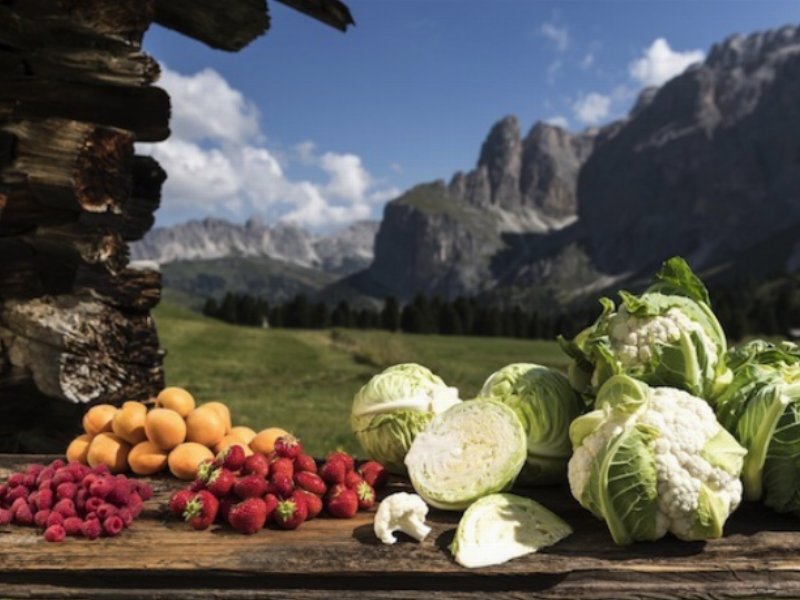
column 401, row 512
column 633, row 338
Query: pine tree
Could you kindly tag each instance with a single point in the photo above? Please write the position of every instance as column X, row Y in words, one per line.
column 411, row 320
column 390, row 315
column 211, row 308
column 450, row 321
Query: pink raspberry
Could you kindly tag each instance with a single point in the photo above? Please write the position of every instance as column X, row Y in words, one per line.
column 44, row 499
column 65, row 507
column 5, row 516
column 29, row 481
column 67, row 490
column 91, row 529
column 72, row 526
column 113, row 525
column 16, row 492
column 40, row 518
column 54, row 519
column 101, row 488
column 106, row 510
column 135, row 504
column 126, row 516
column 120, row 493
column 23, row 515
column 62, row 476
column 55, row 533
column 144, row 490
column 16, row 479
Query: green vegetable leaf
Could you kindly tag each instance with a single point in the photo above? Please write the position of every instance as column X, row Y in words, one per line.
column 676, row 278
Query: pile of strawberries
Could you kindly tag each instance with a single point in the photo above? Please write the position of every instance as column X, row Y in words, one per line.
column 284, row 488
column 72, row 499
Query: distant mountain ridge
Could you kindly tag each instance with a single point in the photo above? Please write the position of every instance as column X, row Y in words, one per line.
column 342, row 252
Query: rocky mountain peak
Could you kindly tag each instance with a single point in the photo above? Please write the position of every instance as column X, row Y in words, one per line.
column 743, row 51
column 501, row 157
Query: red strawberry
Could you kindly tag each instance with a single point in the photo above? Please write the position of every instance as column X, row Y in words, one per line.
column 201, row 510
column 288, row 446
column 55, row 533
column 225, row 505
column 333, row 472
column 290, row 513
column 177, row 503
column 220, row 482
column 271, row 503
column 352, row 480
column 72, row 526
column 91, row 529
column 283, row 466
column 281, row 485
column 256, row 464
column 232, row 458
column 304, row 462
column 366, row 495
column 248, row 516
column 374, row 474
column 313, row 503
column 341, row 502
column 251, row 486
column 113, row 525
column 310, row 482
column 5, row 516
column 349, row 463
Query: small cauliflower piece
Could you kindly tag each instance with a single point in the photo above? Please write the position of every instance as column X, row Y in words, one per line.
column 401, row 512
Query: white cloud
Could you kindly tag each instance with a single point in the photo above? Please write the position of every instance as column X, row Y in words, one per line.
column 218, row 163
column 557, row 34
column 592, row 108
column 553, row 71
column 558, row 121
column 660, row 63
column 588, row 60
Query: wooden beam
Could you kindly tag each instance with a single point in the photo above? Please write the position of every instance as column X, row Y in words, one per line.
column 135, row 288
column 331, row 12
column 227, row 25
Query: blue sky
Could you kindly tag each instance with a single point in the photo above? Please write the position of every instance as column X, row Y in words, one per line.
column 312, row 125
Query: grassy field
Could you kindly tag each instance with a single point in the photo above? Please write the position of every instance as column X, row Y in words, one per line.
column 304, row 381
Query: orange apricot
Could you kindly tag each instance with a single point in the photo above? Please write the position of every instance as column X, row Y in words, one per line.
column 264, row 441
column 146, row 458
column 231, row 440
column 223, row 411
column 243, row 433
column 110, row 450
column 186, row 458
column 78, row 448
column 205, row 426
column 165, row 428
column 177, row 399
column 98, row 418
column 128, row 422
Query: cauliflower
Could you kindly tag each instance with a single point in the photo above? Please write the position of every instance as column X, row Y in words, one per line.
column 401, row 512
column 653, row 460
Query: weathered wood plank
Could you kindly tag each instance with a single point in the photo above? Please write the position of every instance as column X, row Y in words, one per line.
column 136, row 288
column 221, row 25
column 161, row 558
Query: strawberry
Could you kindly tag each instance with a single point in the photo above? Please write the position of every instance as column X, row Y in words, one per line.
column 204, row 471
column 280, row 485
column 366, row 496
column 271, row 503
column 250, row 486
column 113, row 525
column 341, row 502
column 256, row 464
column 313, row 503
column 177, row 503
column 72, row 526
column 91, row 529
column 290, row 512
column 284, row 466
column 349, row 463
column 333, row 472
column 304, row 462
column 225, row 505
column 288, row 446
column 352, row 480
column 310, row 482
column 55, row 533
column 248, row 516
column 5, row 516
column 220, row 482
column 232, row 458
column 201, row 510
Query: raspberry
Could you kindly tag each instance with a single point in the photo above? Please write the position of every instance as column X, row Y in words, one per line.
column 54, row 519
column 40, row 518
column 55, row 533
column 113, row 525
column 5, row 516
column 67, row 490
column 91, row 529
column 72, row 526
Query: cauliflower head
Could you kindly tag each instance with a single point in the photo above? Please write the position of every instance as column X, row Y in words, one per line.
column 654, row 460
column 668, row 336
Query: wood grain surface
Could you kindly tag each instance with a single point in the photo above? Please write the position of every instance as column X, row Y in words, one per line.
column 159, row 557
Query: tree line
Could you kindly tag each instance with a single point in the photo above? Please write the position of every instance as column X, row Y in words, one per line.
column 743, row 310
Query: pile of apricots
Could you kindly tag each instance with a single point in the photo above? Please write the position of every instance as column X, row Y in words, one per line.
column 174, row 433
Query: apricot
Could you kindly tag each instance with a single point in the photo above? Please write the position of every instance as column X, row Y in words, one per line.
column 146, row 458
column 177, row 399
column 77, row 449
column 185, row 458
column 128, row 422
column 98, row 419
column 264, row 441
column 223, row 411
column 165, row 428
column 232, row 440
column 110, row 450
column 243, row 433
column 205, row 426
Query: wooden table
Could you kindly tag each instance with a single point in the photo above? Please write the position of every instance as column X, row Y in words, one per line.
column 159, row 557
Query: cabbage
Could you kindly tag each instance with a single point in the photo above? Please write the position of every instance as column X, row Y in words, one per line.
column 761, row 407
column 546, row 405
column 472, row 449
column 500, row 527
column 668, row 336
column 652, row 460
column 393, row 407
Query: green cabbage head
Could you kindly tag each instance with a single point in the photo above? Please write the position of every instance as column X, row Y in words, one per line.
column 393, row 407
column 668, row 336
column 546, row 405
column 652, row 460
column 761, row 407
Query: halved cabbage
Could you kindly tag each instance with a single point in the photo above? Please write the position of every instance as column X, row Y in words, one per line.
column 472, row 449
column 500, row 527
